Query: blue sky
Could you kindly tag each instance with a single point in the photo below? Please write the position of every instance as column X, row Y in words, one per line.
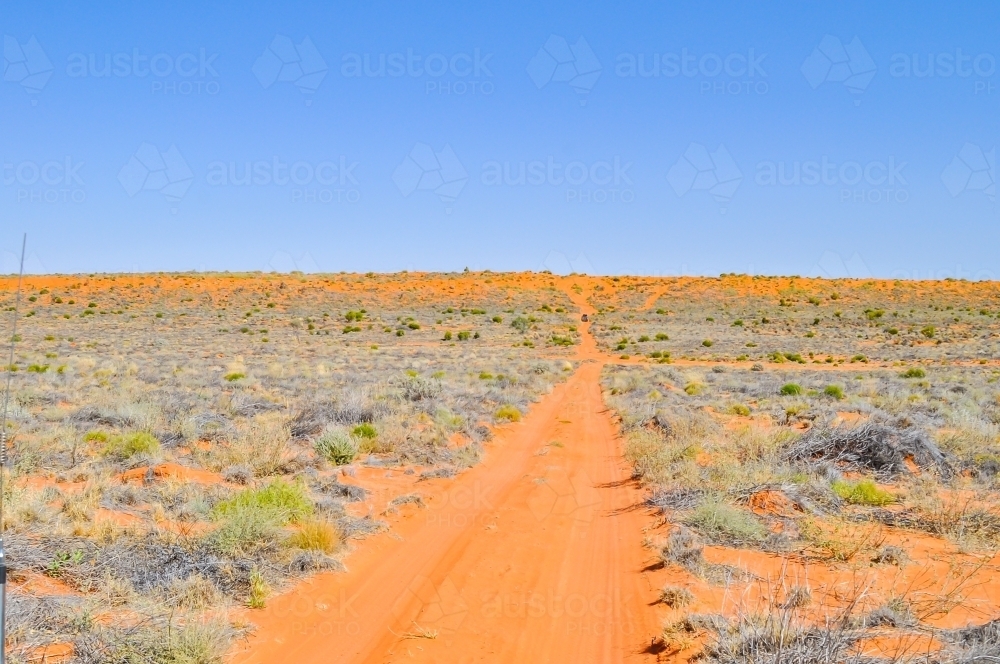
column 653, row 138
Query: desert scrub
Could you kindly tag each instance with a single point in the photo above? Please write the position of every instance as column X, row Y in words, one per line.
column 259, row 444
column 676, row 597
column 835, row 391
column 863, row 492
column 508, row 413
column 738, row 409
column 259, row 590
column 658, row 459
column 337, row 446
column 127, row 446
column 791, row 389
column 317, row 536
column 285, row 502
column 721, row 521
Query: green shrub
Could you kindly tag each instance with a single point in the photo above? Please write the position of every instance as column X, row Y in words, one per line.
column 364, row 430
column 336, row 446
column 447, row 336
column 317, row 536
column 660, row 336
column 864, row 492
column 693, row 389
column 463, row 335
column 707, row 343
column 928, row 331
column 283, row 502
column 739, row 409
column 835, row 391
column 715, row 518
column 791, row 389
column 127, row 446
column 508, row 413
column 242, row 532
column 234, row 376
column 95, row 436
column 259, row 590
column 913, row 372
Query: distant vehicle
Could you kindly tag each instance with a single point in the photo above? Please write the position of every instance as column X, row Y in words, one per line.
column 585, row 318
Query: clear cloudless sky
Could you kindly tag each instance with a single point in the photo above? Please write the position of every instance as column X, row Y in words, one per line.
column 814, row 138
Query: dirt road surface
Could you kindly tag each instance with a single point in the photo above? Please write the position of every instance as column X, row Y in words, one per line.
column 532, row 556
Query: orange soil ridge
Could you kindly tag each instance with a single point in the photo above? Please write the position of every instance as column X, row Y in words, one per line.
column 534, row 555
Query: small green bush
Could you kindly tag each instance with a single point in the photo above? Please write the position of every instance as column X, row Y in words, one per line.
column 660, row 336
column 463, row 335
column 835, row 391
column 864, row 492
column 95, row 436
column 364, row 430
column 791, row 389
column 715, row 518
column 707, row 343
column 234, row 376
column 285, row 502
column 694, row 389
column 447, row 336
column 336, row 446
column 913, row 372
column 928, row 331
column 127, row 446
column 508, row 413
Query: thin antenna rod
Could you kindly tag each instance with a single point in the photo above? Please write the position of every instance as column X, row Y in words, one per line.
column 3, row 455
